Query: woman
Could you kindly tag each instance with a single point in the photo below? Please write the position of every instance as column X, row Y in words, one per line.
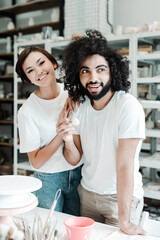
column 37, row 120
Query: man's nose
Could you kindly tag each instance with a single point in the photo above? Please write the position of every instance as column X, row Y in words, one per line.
column 93, row 76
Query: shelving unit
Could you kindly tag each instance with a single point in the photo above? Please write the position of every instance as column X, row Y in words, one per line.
column 152, row 107
column 6, row 115
column 16, row 9
column 29, row 30
column 7, row 79
column 124, row 44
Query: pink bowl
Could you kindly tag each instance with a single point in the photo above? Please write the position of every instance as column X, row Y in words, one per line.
column 79, row 228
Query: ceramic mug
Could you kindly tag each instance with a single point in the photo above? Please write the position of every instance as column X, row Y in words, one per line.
column 46, row 32
column 119, row 30
column 79, row 228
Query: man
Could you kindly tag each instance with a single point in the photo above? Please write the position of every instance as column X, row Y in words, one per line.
column 109, row 135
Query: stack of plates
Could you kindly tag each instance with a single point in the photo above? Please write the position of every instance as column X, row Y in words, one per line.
column 15, row 194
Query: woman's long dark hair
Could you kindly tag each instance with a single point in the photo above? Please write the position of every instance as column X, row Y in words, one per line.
column 79, row 49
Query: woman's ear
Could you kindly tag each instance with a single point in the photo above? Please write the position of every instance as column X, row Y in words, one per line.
column 55, row 65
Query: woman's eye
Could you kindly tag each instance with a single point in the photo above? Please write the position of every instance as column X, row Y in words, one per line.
column 30, row 71
column 41, row 62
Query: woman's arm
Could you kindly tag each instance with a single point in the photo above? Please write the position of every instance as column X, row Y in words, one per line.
column 41, row 155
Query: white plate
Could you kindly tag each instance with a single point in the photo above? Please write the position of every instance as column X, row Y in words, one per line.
column 16, row 201
column 6, row 212
column 17, row 184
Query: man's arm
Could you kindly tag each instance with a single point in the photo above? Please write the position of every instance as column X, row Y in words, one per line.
column 73, row 151
column 125, row 183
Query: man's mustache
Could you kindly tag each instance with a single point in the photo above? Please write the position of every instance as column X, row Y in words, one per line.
column 92, row 83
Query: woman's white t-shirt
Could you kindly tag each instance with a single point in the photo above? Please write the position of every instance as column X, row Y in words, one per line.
column 37, row 119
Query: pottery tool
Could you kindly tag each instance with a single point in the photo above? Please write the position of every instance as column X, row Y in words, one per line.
column 58, row 193
column 19, row 235
column 10, row 232
column 35, row 227
column 18, row 225
column 40, row 230
column 73, row 121
column 52, row 231
column 4, row 229
column 55, row 234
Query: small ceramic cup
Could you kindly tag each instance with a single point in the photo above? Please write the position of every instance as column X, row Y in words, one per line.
column 79, row 228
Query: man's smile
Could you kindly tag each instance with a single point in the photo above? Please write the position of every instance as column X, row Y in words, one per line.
column 94, row 87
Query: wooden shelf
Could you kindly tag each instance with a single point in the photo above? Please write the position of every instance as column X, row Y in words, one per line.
column 149, row 56
column 6, row 121
column 7, row 56
column 6, row 168
column 153, row 133
column 150, row 104
column 28, row 7
column 150, row 161
column 149, row 193
column 7, row 77
column 147, row 146
column 6, row 144
column 29, row 30
column 149, row 80
column 6, row 99
column 25, row 165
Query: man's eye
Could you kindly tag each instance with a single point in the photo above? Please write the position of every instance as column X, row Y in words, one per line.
column 101, row 69
column 41, row 62
column 84, row 71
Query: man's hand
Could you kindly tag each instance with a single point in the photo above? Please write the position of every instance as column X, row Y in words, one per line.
column 132, row 229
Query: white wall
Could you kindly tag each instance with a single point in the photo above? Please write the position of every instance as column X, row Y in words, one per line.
column 135, row 12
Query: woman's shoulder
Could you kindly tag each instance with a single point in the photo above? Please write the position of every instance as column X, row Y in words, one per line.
column 63, row 91
column 28, row 106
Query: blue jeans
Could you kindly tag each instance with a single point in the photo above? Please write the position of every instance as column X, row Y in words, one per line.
column 68, row 182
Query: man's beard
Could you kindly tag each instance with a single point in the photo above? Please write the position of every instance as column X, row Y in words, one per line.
column 103, row 92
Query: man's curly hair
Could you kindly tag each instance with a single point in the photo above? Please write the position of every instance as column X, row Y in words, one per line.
column 79, row 49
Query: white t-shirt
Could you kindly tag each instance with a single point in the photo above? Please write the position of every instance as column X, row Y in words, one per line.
column 37, row 119
column 99, row 130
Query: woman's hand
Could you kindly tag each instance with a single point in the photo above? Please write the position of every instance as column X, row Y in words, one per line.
column 69, row 107
column 66, row 132
column 64, row 128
